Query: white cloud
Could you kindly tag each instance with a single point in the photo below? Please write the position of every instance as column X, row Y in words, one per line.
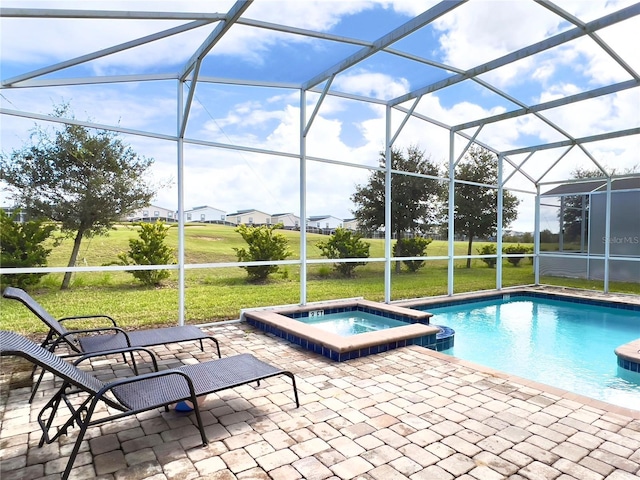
column 480, row 31
column 376, row 85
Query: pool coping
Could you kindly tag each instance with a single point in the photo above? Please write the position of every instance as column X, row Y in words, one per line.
column 579, row 296
column 545, row 387
column 275, row 317
column 543, row 291
column 629, row 356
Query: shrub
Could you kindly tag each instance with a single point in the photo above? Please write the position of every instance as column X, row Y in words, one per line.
column 489, row 249
column 530, row 251
column 412, row 247
column 344, row 244
column 21, row 247
column 264, row 244
column 149, row 249
column 515, row 250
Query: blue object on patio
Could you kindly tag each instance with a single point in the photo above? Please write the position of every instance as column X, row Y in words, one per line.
column 183, row 407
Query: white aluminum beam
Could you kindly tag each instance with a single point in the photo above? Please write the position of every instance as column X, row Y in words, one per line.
column 305, row 128
column 106, row 14
column 406, row 118
column 181, row 220
column 411, row 26
column 303, row 199
column 594, row 36
column 525, row 52
column 105, row 52
column 577, row 141
column 388, row 220
column 73, row 121
column 598, row 92
column 234, row 13
column 67, row 82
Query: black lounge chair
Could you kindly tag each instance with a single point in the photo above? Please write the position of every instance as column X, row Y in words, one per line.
column 100, row 339
column 135, row 394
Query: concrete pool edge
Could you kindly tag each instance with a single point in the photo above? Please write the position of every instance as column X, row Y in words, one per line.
column 616, row 300
column 563, row 293
column 629, row 356
column 544, row 387
column 274, row 320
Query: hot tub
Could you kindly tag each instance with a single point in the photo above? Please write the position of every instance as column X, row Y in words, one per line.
column 411, row 327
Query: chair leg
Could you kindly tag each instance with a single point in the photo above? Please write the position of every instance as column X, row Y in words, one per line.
column 295, row 387
column 35, row 386
column 196, row 410
column 76, row 447
column 52, row 404
column 217, row 346
column 135, row 365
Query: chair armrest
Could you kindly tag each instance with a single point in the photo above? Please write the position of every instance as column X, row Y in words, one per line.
column 87, row 317
column 164, row 373
column 118, row 351
column 63, row 337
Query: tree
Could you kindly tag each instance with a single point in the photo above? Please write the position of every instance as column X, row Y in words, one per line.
column 344, row 244
column 264, row 244
column 86, row 180
column 149, row 249
column 21, row 246
column 475, row 206
column 415, row 200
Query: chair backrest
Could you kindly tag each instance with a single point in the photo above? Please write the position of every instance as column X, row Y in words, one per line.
column 39, row 311
column 12, row 343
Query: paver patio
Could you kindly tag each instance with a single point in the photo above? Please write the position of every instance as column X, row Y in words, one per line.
column 408, row 413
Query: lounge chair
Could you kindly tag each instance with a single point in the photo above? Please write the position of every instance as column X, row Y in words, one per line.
column 135, row 394
column 100, row 339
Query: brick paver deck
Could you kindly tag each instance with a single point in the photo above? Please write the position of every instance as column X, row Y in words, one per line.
column 409, row 413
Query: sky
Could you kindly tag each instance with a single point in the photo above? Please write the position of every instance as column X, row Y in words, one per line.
column 344, row 129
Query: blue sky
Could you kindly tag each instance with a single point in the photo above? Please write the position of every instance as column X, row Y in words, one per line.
column 344, row 130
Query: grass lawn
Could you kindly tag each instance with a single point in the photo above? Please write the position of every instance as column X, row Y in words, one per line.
column 214, row 294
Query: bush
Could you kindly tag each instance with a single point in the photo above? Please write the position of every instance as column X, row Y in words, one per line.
column 412, row 247
column 21, row 247
column 489, row 249
column 515, row 250
column 344, row 244
column 149, row 249
column 264, row 244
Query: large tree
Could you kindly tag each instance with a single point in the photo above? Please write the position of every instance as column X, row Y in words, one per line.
column 476, row 207
column 414, row 200
column 84, row 179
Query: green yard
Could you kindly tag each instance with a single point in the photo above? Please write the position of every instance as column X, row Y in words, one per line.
column 219, row 293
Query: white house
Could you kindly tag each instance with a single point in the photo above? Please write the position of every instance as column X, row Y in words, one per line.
column 324, row 222
column 249, row 217
column 152, row 213
column 350, row 224
column 20, row 217
column 289, row 220
column 205, row 214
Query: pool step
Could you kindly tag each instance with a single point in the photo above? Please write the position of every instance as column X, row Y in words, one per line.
column 629, row 356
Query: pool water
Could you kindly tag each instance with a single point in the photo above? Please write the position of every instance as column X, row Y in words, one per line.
column 564, row 344
column 351, row 323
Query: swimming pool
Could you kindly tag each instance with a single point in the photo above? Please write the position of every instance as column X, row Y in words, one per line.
column 561, row 343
